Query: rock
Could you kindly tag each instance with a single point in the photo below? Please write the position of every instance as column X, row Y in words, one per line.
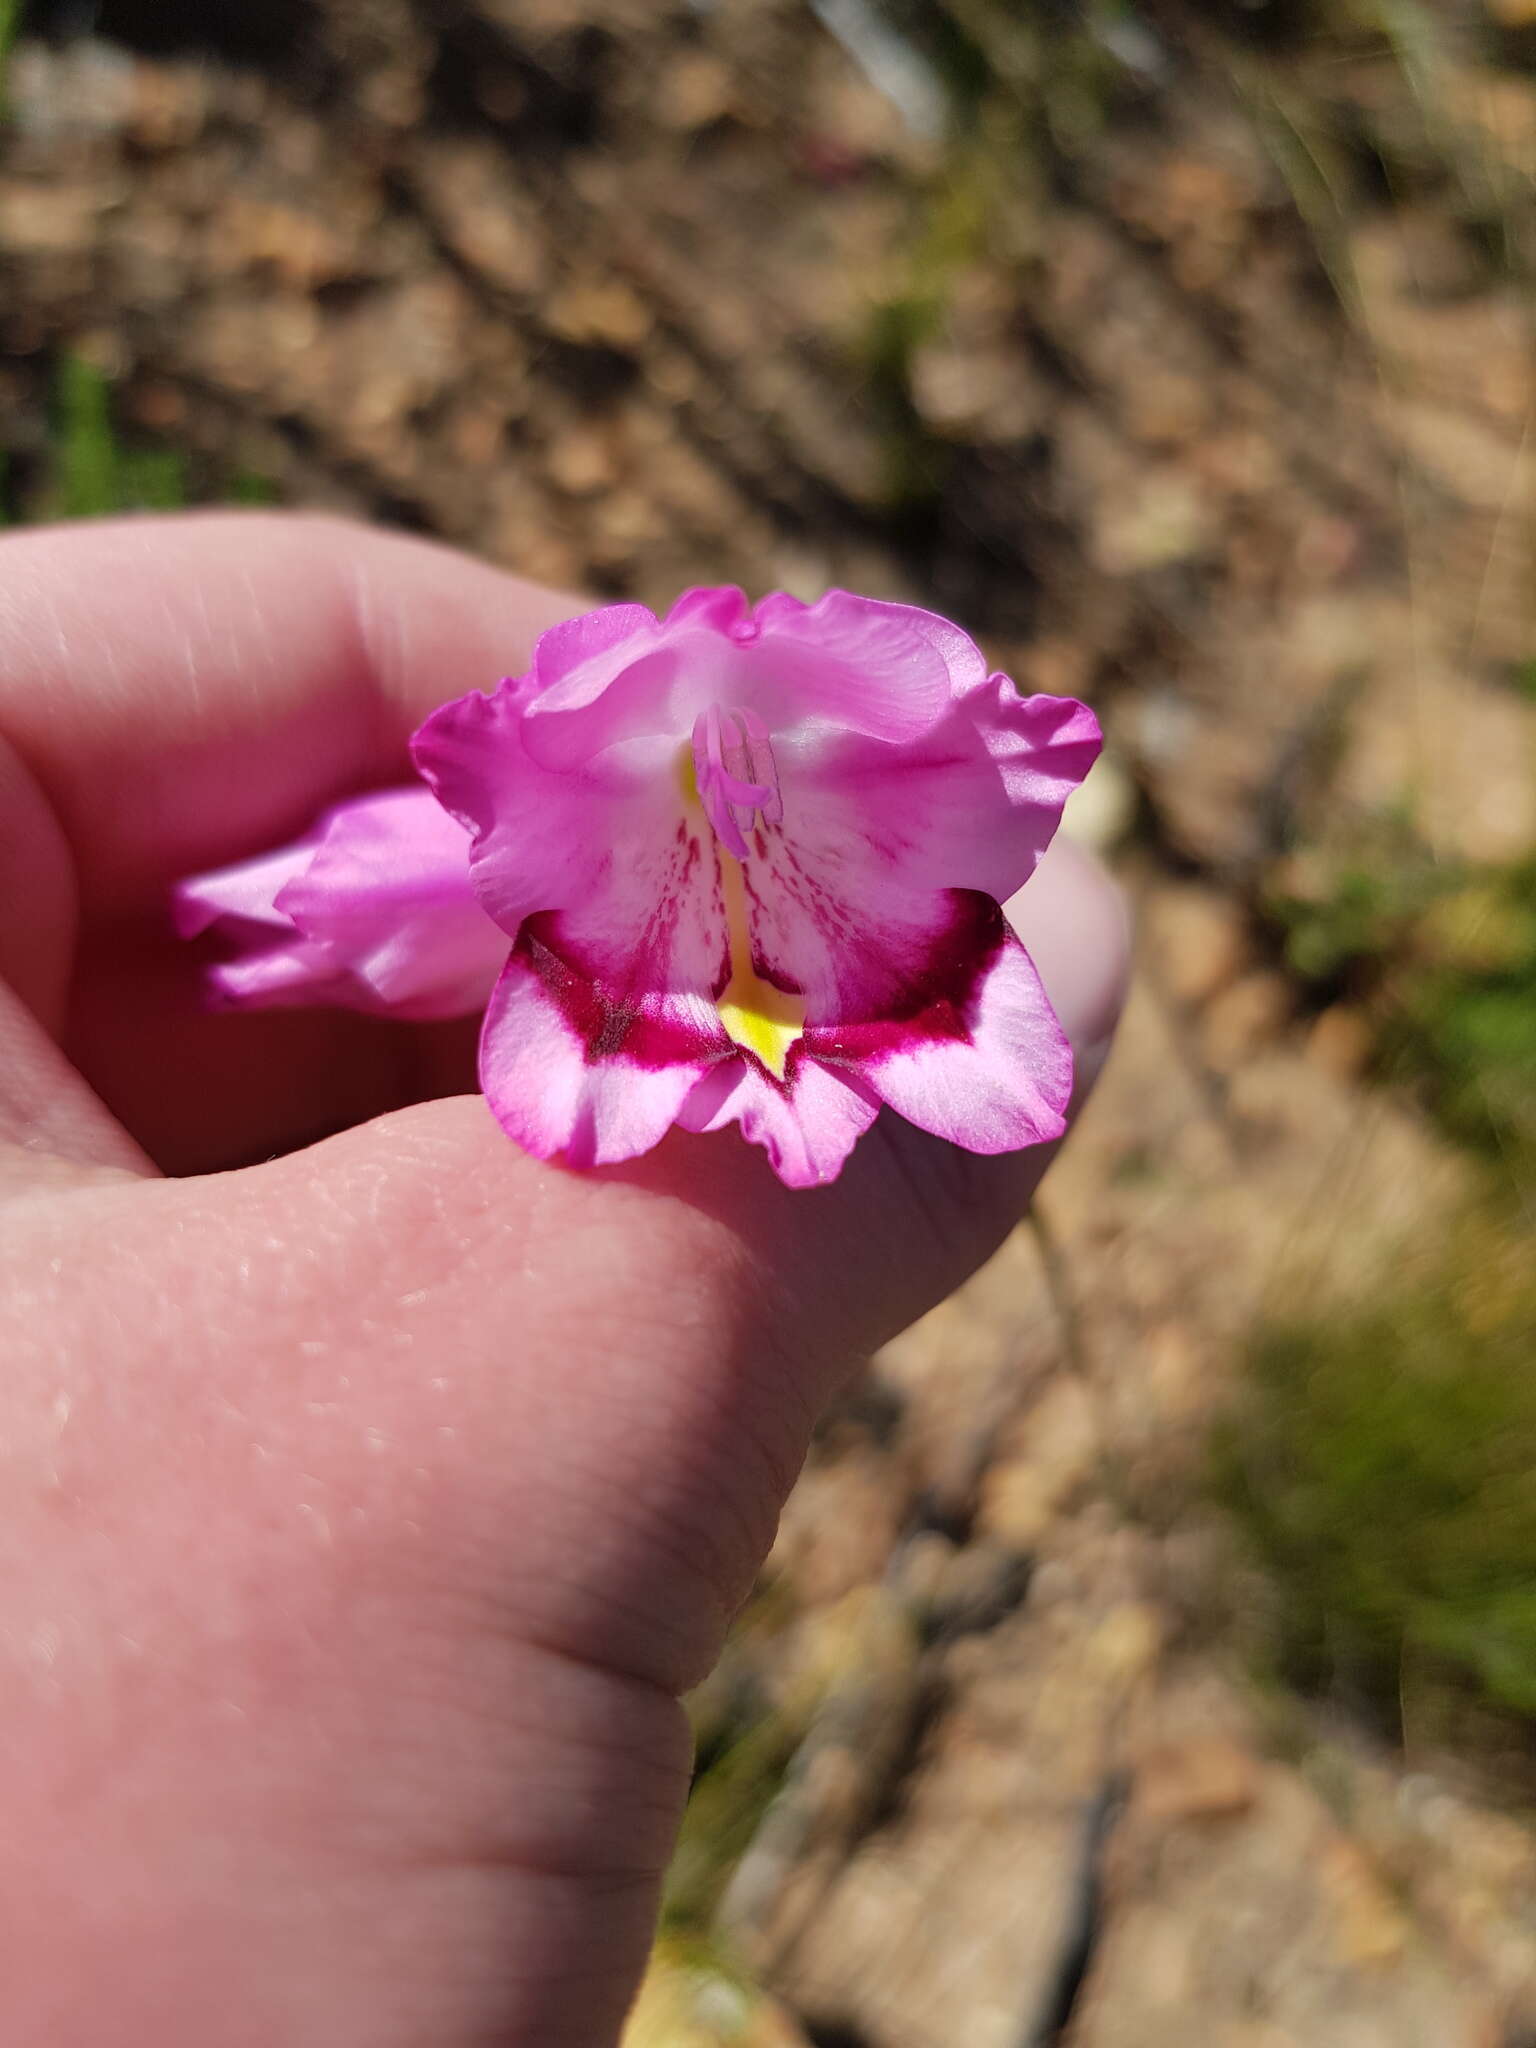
column 694, row 91
column 1056, row 1449
column 581, row 461
column 1341, row 1042
column 595, row 310
column 488, row 223
column 1204, row 1779
column 1454, row 747
column 1167, row 518
column 841, row 1524
column 1196, row 940
column 984, row 389
column 1369, row 1927
column 1245, row 1017
column 41, row 220
column 1125, row 1644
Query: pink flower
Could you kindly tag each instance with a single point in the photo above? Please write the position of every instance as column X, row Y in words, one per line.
column 372, row 910
column 740, row 865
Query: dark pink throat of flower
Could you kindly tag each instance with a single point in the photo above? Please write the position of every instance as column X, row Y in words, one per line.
column 735, row 773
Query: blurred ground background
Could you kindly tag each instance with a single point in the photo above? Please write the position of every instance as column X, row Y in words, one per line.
column 1149, row 1653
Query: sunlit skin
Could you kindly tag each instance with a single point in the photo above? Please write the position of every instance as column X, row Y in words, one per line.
column 372, row 1489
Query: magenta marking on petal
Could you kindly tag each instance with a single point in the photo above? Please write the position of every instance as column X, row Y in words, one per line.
column 611, row 1026
column 938, row 1004
column 554, row 1100
column 976, row 1055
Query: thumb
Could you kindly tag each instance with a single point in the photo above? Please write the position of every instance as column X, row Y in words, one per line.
column 635, row 1356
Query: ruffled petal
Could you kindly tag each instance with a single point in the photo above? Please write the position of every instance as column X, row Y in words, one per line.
column 851, row 893
column 856, row 664
column 607, row 852
column 807, row 1126
column 577, row 661
column 983, row 1061
column 373, row 910
column 532, row 842
column 720, row 606
column 972, row 804
column 1042, row 747
column 845, row 663
column 570, row 1069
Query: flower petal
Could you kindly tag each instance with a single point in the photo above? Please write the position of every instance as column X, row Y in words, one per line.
column 857, row 664
column 984, row 1061
column 536, row 845
column 807, row 1126
column 569, row 1069
column 245, row 892
column 854, row 664
column 850, row 893
column 608, row 852
column 972, row 804
column 374, row 909
column 576, row 662
column 720, row 605
column 388, row 895
column 284, row 974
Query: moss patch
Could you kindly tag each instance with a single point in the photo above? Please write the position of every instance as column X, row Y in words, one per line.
column 1385, row 1467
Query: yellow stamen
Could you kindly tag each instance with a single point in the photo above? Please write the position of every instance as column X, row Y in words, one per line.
column 687, row 773
column 764, row 1019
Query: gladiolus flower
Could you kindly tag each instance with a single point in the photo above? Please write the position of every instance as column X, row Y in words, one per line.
column 738, row 865
column 370, row 911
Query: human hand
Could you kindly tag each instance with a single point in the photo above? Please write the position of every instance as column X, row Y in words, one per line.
column 367, row 1508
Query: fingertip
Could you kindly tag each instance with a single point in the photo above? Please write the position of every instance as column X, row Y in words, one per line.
column 1074, row 920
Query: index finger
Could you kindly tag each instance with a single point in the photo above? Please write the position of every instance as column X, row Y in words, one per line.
column 188, row 689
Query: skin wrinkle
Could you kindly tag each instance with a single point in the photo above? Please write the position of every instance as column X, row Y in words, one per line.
column 618, row 1746
column 631, row 1759
column 703, row 1535
column 641, row 1634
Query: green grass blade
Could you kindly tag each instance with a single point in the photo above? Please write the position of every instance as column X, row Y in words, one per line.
column 10, row 28
column 89, row 472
